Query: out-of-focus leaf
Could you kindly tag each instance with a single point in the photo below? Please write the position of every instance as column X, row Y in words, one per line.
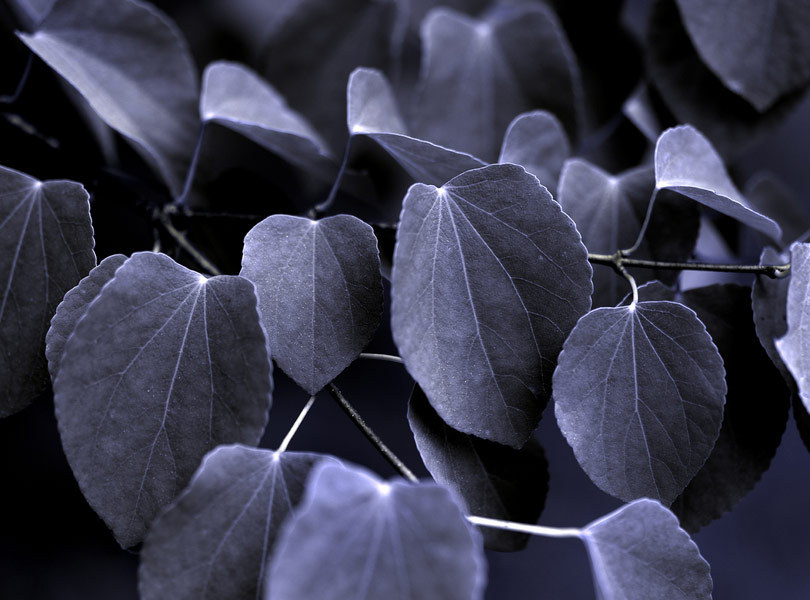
column 639, row 394
column 46, row 247
column 355, row 536
column 320, row 292
column 769, row 196
column 214, row 541
column 537, row 142
column 142, row 84
column 164, row 366
column 489, row 277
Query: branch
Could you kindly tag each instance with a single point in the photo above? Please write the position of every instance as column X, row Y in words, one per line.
column 619, row 261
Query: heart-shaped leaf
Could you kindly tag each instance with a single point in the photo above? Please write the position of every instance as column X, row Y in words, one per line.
column 320, row 292
column 769, row 303
column 163, row 366
column 489, row 68
column 143, row 84
column 355, row 536
column 73, row 307
column 372, row 111
column 494, row 480
column 638, row 552
column 760, row 51
column 537, row 142
column 214, row 541
column 685, row 162
column 46, row 247
column 639, row 394
column 794, row 346
column 489, row 277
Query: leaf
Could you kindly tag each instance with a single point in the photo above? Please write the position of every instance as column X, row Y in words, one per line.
column 31, row 12
column 313, row 50
column 769, row 303
column 214, row 541
column 494, row 480
column 489, row 277
column 638, row 108
column 760, row 52
column 372, row 111
column 320, row 292
column 638, row 552
column 73, row 307
column 639, row 393
column 235, row 97
column 794, row 346
column 609, row 211
column 695, row 95
column 537, row 142
column 477, row 75
column 755, row 412
column 164, row 366
column 685, row 162
column 355, row 536
column 142, row 84
column 46, row 247
column 769, row 196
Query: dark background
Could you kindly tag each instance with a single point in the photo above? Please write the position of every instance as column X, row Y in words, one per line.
column 52, row 545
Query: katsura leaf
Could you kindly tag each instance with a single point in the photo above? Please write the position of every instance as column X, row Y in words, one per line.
column 794, row 346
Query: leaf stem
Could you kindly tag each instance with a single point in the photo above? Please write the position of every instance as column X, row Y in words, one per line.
column 183, row 242
column 619, row 260
column 282, row 447
column 21, row 84
column 392, row 458
column 330, row 199
column 383, row 357
column 555, row 532
column 644, row 225
column 192, row 168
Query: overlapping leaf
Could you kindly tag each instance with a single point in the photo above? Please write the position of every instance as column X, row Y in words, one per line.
column 143, row 84
column 164, row 366
column 46, row 247
column 761, row 50
column 494, row 480
column 639, row 553
column 769, row 196
column 639, row 394
column 489, row 277
column 314, row 48
column 73, row 307
column 685, row 162
column 214, row 542
column 794, row 346
column 537, row 142
column 237, row 98
column 756, row 406
column 320, row 292
column 478, row 74
column 355, row 536
column 609, row 212
column 372, row 111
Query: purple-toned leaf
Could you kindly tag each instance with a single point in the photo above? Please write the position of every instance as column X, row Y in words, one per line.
column 214, row 541
column 685, row 162
column 164, row 366
column 638, row 108
column 489, row 278
column 760, row 51
column 477, row 75
column 320, row 292
column 638, row 552
column 46, row 247
column 355, row 536
column 609, row 211
column 756, row 408
column 313, row 50
column 537, row 142
column 794, row 346
column 142, row 84
column 73, row 307
column 495, row 481
column 372, row 111
column 639, row 394
column 235, row 97
column 769, row 303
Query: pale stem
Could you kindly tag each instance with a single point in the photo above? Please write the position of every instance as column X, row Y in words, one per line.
column 555, row 532
column 385, row 357
column 282, row 447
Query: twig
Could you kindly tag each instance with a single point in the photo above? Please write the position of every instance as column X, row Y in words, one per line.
column 618, row 260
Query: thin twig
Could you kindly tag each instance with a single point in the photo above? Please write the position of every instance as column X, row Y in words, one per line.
column 557, row 532
column 282, row 447
column 618, row 260
column 369, row 433
column 384, row 357
column 183, row 242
